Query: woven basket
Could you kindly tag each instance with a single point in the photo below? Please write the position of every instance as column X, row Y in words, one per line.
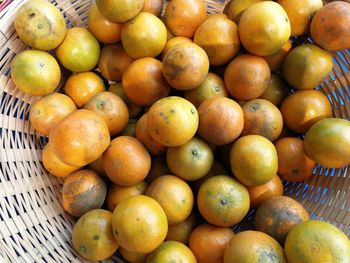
column 33, row 225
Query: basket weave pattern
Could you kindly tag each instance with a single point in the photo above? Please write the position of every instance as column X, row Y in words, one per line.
column 33, row 225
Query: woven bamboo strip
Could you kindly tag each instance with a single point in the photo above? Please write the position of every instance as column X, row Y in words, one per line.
column 33, row 225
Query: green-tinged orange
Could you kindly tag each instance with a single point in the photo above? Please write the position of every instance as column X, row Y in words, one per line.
column 328, row 142
column 190, row 161
column 92, row 235
column 139, row 224
column 181, row 232
column 217, row 201
column 79, row 51
column 212, row 86
column 306, row 66
column 264, row 28
column 276, row 91
column 40, row 24
column 35, row 72
column 171, row 251
column 144, row 36
column 315, row 241
column 253, row 160
column 119, row 11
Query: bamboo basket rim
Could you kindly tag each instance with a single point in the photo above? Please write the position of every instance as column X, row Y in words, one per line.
column 33, row 225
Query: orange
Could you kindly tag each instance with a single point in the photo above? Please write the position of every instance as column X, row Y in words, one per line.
column 263, row 118
column 300, row 14
column 139, row 224
column 253, row 246
column 134, row 110
column 328, row 142
column 237, row 8
column 174, row 42
column 190, row 161
column 171, row 251
column 126, row 161
column 212, row 86
column 223, row 43
column 216, row 169
column 264, row 28
column 97, row 167
column 142, row 134
column 49, row 110
column 104, row 30
column 304, row 108
column 130, row 128
column 316, row 240
column 172, row 121
column 81, row 87
column 275, row 60
column 174, row 196
column 185, row 66
column 207, row 236
column 40, row 24
column 144, row 36
column 181, row 232
column 276, row 91
column 54, row 165
column 111, row 108
column 92, row 235
column 253, row 160
column 306, row 66
column 293, row 164
column 82, row 191
column 159, row 167
column 132, row 257
column 259, row 194
column 154, row 7
column 278, row 215
column 85, row 54
column 330, row 26
column 117, row 194
column 217, row 201
column 119, row 10
column 80, row 138
column 247, row 77
column 183, row 17
column 143, row 82
column 35, row 72
column 220, row 120
column 113, row 62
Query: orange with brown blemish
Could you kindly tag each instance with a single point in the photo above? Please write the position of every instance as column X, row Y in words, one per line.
column 83, row 191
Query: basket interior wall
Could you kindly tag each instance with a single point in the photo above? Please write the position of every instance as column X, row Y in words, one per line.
column 33, row 225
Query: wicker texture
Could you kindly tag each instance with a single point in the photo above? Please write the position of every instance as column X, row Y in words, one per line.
column 33, row 225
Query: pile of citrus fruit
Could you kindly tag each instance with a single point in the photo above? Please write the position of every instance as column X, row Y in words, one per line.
column 169, row 130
